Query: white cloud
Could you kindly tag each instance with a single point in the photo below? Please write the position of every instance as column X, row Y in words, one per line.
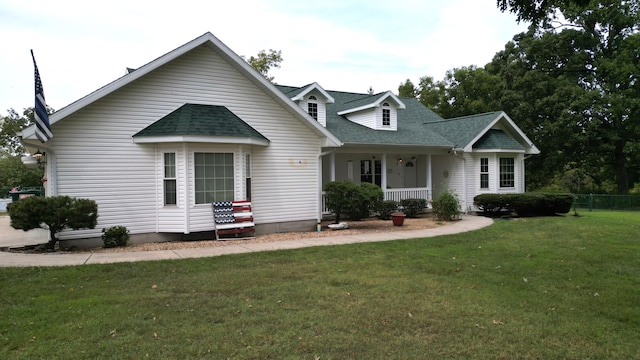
column 344, row 45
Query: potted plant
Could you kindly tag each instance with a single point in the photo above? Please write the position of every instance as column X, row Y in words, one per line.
column 398, row 218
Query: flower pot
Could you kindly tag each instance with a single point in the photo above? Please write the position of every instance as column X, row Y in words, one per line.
column 398, row 218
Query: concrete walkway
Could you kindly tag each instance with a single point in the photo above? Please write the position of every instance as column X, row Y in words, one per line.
column 10, row 237
column 468, row 223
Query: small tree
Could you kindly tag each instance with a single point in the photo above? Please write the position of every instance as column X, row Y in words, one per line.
column 264, row 61
column 56, row 212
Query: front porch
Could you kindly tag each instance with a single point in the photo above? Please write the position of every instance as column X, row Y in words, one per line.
column 394, row 194
column 406, row 173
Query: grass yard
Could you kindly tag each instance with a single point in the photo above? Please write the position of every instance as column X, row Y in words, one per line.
column 538, row 288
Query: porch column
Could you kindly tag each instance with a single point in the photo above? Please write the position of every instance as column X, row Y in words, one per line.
column 383, row 169
column 332, row 162
column 429, row 181
column 320, row 187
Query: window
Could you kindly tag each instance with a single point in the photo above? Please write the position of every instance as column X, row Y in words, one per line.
column 247, row 176
column 213, row 177
column 507, row 172
column 371, row 171
column 484, row 173
column 312, row 109
column 170, row 179
column 386, row 115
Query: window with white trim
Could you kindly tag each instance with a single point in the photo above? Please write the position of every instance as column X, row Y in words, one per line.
column 312, row 107
column 213, row 177
column 386, row 115
column 247, row 176
column 484, row 173
column 507, row 172
column 371, row 171
column 170, row 189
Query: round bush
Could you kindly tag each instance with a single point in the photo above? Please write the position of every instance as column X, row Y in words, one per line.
column 115, row 236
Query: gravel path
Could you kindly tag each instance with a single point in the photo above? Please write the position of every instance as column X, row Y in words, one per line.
column 371, row 225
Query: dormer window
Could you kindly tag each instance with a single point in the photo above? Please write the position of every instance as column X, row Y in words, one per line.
column 386, row 115
column 312, row 107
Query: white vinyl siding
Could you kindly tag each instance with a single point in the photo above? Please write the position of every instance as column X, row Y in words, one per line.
column 120, row 175
column 373, row 118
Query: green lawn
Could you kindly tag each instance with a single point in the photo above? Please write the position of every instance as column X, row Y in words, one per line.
column 538, row 288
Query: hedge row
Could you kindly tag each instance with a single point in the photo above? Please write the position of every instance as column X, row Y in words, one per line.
column 526, row 204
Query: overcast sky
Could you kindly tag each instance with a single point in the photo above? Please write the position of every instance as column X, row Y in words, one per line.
column 346, row 45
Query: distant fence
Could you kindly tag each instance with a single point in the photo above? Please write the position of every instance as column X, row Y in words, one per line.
column 606, row 202
column 4, row 192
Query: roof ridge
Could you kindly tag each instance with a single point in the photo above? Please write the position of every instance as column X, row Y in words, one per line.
column 475, row 115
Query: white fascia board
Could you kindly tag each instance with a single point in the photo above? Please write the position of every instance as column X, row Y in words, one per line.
column 396, row 99
column 28, row 133
column 199, row 139
column 532, row 148
column 493, row 151
column 315, row 86
column 377, row 103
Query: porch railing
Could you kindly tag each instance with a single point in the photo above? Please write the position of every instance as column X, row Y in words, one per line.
column 393, row 194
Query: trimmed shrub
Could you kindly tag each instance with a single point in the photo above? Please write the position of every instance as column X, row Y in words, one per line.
column 115, row 236
column 413, row 207
column 355, row 201
column 524, row 205
column 56, row 212
column 491, row 204
column 373, row 197
column 387, row 207
column 447, row 206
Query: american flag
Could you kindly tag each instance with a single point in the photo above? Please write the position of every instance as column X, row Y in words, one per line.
column 43, row 129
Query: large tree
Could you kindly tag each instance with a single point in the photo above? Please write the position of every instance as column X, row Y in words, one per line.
column 463, row 91
column 548, row 105
column 603, row 41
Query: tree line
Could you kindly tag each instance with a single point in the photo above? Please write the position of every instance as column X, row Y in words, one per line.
column 570, row 82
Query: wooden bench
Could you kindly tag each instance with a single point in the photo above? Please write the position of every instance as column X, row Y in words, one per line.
column 233, row 217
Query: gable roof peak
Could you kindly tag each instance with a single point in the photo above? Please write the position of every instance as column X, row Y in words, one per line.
column 371, row 101
column 311, row 87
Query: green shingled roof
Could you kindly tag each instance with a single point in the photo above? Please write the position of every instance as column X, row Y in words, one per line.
column 410, row 130
column 497, row 139
column 417, row 125
column 462, row 130
column 201, row 120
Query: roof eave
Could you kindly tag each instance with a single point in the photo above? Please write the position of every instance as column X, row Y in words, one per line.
column 200, row 139
column 363, row 144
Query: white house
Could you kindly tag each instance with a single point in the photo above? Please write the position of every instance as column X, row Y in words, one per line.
column 157, row 146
